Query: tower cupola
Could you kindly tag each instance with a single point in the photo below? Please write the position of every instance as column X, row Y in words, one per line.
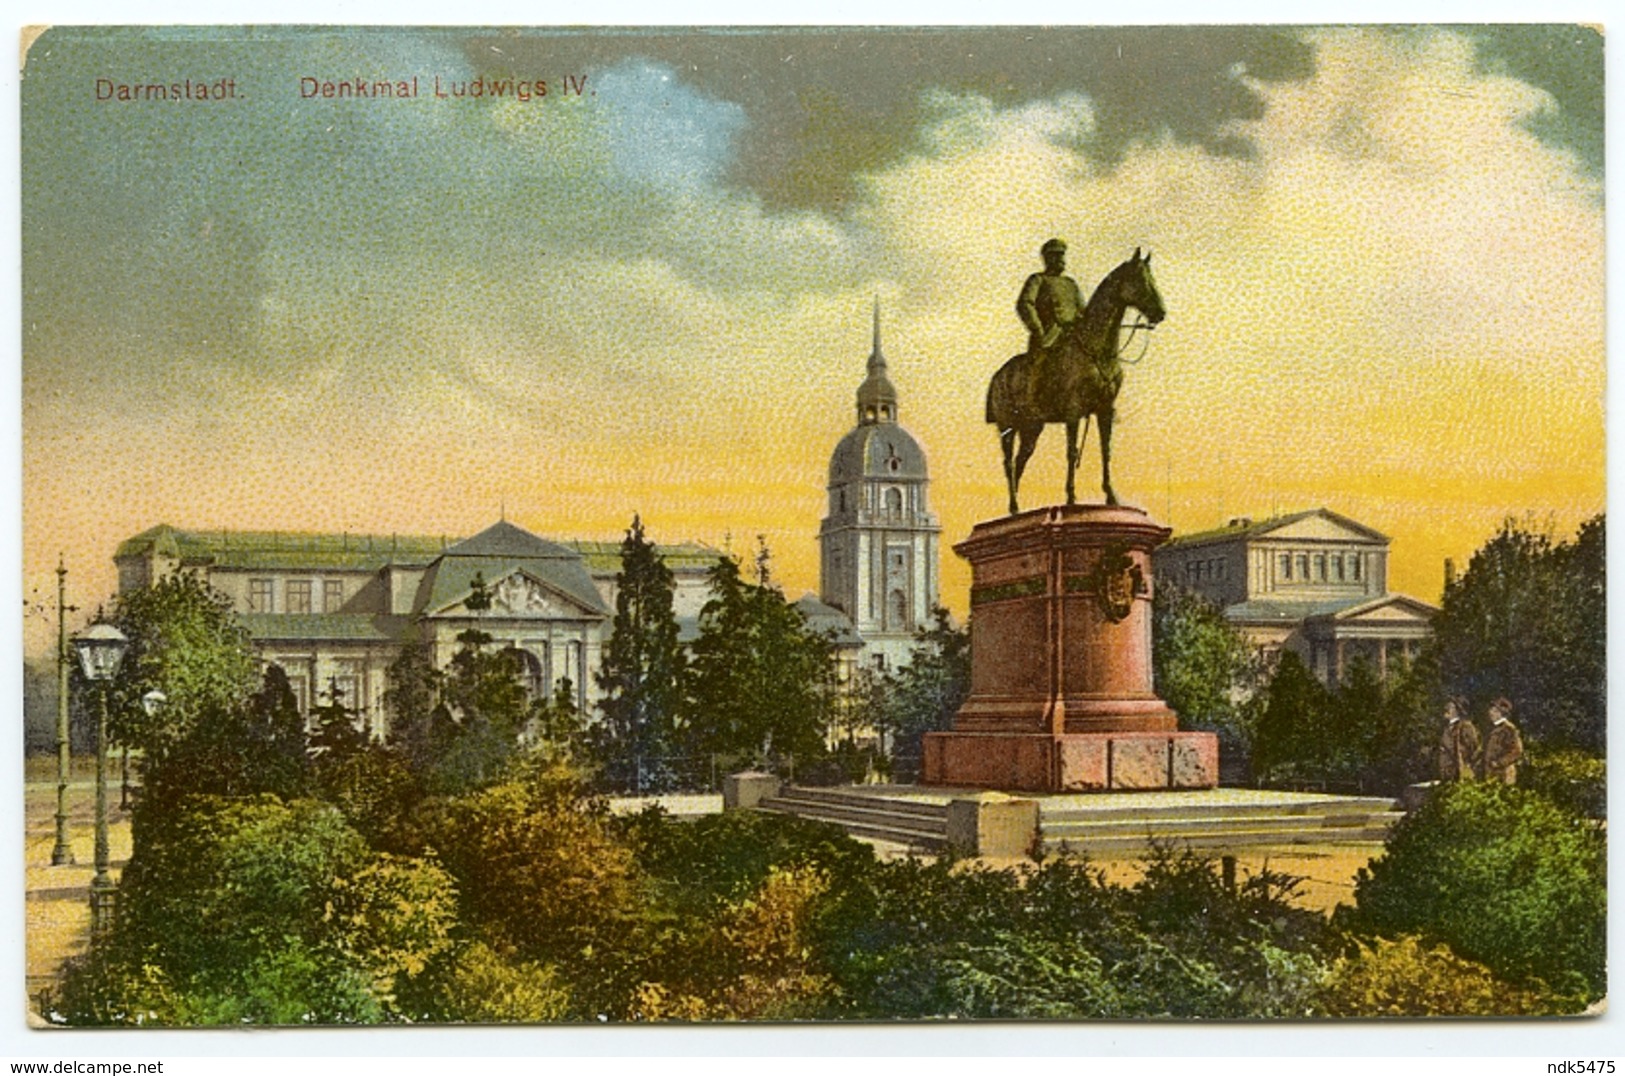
column 877, row 396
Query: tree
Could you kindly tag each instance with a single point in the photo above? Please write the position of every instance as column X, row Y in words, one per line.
column 1352, row 718
column 1204, row 668
column 486, row 697
column 185, row 642
column 904, row 703
column 1402, row 747
column 557, row 728
column 762, row 683
column 1290, row 737
column 337, row 732
column 1528, row 620
column 641, row 675
column 242, row 749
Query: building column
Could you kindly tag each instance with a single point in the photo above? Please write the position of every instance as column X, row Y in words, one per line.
column 1382, row 660
column 1339, row 662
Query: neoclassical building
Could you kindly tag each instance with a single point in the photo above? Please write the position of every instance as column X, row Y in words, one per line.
column 1313, row 582
column 878, row 544
column 333, row 610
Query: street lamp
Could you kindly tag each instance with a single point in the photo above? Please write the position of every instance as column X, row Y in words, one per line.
column 151, row 703
column 101, row 647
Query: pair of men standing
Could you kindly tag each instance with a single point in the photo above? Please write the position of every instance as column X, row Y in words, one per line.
column 1459, row 753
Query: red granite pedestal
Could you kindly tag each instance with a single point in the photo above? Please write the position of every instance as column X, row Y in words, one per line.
column 1061, row 694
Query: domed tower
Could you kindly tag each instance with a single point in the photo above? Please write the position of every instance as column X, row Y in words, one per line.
column 879, row 540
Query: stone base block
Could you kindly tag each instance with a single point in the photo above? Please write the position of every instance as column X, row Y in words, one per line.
column 747, row 789
column 992, row 824
column 1084, row 762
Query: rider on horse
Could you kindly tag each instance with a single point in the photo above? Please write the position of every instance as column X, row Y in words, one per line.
column 1049, row 302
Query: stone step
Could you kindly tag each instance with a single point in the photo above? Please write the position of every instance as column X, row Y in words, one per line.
column 875, row 826
column 1349, row 805
column 865, row 814
column 1204, row 840
column 913, row 808
column 1330, row 827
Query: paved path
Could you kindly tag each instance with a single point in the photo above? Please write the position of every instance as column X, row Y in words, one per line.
column 57, row 899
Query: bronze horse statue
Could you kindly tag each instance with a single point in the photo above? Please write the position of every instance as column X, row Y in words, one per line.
column 1079, row 377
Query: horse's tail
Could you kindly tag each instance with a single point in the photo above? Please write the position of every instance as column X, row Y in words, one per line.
column 1001, row 398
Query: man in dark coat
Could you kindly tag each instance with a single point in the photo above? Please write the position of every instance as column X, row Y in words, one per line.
column 1049, row 301
column 1459, row 747
column 1504, row 750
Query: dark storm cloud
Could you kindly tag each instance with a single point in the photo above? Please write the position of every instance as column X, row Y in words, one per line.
column 1566, row 62
column 828, row 105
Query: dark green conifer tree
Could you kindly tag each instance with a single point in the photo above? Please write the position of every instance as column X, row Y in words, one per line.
column 641, row 673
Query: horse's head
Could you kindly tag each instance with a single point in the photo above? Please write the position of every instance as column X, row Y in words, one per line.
column 1136, row 287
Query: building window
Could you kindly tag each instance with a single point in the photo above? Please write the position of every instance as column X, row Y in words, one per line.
column 1320, row 567
column 1356, row 566
column 347, row 687
column 1218, row 570
column 894, row 499
column 1337, row 568
column 899, row 610
column 297, row 595
column 1300, row 564
column 1286, row 565
column 259, row 596
column 332, row 595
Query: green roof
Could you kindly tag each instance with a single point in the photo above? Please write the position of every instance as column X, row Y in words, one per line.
column 263, row 550
column 281, row 549
column 364, row 627
column 604, row 558
column 1272, row 612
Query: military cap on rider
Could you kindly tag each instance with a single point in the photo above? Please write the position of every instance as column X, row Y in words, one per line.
column 1056, row 245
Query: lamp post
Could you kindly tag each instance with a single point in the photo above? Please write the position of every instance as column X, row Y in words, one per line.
column 62, row 852
column 101, row 647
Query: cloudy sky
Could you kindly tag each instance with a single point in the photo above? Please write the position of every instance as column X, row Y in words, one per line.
column 1381, row 251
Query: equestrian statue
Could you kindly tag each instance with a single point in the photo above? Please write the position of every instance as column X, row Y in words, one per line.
column 1072, row 368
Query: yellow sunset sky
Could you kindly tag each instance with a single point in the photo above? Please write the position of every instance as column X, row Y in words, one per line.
column 1381, row 253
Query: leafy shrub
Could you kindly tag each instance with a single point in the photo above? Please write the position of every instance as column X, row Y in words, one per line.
column 751, row 960
column 217, row 883
column 1573, row 779
column 1408, row 977
column 480, row 985
column 1503, row 877
column 539, row 872
column 700, row 864
column 257, row 911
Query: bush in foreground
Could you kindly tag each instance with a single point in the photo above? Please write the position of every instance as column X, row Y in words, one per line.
column 1503, row 877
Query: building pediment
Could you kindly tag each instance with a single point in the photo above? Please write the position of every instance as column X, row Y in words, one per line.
column 1316, row 525
column 522, row 596
column 1390, row 609
column 1320, row 525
